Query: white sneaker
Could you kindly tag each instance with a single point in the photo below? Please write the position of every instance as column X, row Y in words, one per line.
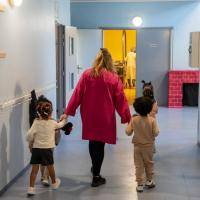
column 150, row 184
column 31, row 191
column 140, row 188
column 45, row 182
column 56, row 185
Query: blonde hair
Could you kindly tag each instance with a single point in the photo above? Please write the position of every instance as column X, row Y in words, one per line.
column 103, row 60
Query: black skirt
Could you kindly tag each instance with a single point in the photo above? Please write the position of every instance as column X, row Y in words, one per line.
column 42, row 156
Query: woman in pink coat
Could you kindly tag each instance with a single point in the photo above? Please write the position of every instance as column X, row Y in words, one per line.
column 99, row 93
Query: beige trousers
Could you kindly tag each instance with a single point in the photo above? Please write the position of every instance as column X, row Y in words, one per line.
column 143, row 159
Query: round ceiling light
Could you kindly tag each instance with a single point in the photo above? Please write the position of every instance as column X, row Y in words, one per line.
column 137, row 21
column 16, row 3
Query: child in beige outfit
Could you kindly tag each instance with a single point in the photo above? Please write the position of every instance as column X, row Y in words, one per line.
column 145, row 130
column 148, row 92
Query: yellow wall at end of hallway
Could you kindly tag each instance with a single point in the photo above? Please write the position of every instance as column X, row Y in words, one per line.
column 130, row 40
column 112, row 41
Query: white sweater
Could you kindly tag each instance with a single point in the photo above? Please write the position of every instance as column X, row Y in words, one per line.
column 42, row 133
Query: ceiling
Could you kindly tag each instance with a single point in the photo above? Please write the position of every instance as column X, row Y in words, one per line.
column 129, row 0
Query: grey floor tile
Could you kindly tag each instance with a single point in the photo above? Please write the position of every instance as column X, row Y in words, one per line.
column 193, row 198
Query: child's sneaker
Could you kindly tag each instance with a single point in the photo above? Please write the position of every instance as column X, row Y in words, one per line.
column 56, row 185
column 31, row 191
column 97, row 181
column 140, row 188
column 150, row 184
column 45, row 182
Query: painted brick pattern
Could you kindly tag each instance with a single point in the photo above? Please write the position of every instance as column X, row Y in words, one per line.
column 175, row 86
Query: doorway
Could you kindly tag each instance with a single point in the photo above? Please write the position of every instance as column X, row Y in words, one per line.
column 153, row 60
column 122, row 46
column 60, row 69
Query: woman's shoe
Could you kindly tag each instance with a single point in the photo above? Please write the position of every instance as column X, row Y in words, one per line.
column 97, row 181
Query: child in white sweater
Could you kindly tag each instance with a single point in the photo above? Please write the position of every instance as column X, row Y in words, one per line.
column 42, row 136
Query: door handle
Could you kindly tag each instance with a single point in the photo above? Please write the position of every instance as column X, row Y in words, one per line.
column 78, row 67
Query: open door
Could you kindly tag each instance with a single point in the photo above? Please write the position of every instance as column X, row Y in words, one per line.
column 60, row 69
column 81, row 47
column 71, row 42
column 89, row 43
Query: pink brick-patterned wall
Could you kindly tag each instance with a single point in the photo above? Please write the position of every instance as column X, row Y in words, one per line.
column 176, row 80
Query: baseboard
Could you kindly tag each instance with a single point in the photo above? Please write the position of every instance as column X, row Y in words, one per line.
column 2, row 191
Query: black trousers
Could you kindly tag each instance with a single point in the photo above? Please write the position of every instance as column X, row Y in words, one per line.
column 96, row 150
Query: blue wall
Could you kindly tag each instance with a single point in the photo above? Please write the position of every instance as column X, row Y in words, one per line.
column 182, row 16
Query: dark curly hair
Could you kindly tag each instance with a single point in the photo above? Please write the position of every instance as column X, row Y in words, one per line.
column 42, row 98
column 143, row 105
column 44, row 107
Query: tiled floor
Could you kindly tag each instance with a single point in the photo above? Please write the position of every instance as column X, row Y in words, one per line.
column 177, row 165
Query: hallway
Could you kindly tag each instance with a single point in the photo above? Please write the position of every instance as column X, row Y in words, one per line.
column 177, row 165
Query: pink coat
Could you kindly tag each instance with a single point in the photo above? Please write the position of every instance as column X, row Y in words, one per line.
column 98, row 99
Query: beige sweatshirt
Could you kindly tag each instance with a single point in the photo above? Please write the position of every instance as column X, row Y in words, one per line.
column 154, row 110
column 42, row 133
column 145, row 130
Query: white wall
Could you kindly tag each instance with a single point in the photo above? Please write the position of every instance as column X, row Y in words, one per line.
column 27, row 35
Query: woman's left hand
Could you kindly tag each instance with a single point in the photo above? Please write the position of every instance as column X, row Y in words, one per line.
column 64, row 116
